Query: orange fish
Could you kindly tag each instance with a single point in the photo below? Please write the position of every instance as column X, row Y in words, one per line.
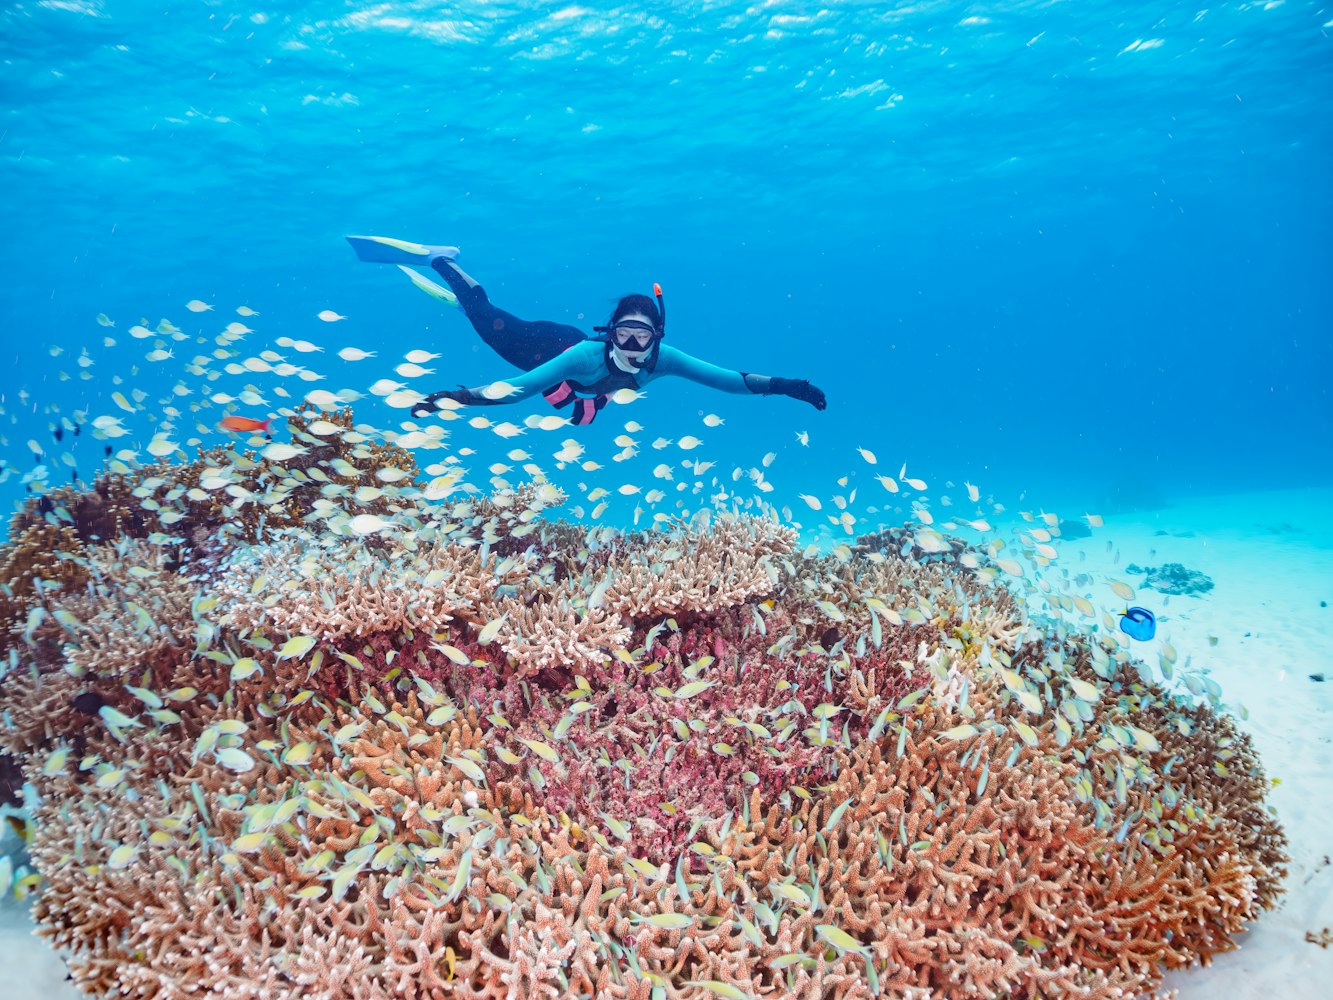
column 245, row 424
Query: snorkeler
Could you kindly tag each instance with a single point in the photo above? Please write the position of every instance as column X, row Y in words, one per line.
column 564, row 364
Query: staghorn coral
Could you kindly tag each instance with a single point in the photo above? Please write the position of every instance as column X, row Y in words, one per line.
column 558, row 769
column 131, row 615
column 551, row 632
column 712, row 566
column 29, row 561
column 351, row 587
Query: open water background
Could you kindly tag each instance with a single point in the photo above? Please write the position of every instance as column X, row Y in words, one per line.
column 1073, row 252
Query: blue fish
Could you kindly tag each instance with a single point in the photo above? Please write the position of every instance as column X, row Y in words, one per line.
column 1138, row 623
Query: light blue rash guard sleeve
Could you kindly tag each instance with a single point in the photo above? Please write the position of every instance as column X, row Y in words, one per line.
column 581, row 363
column 673, row 362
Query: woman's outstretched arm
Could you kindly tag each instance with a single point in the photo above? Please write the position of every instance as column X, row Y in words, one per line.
column 580, row 363
column 673, row 362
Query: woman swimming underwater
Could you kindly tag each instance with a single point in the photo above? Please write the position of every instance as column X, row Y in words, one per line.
column 564, row 364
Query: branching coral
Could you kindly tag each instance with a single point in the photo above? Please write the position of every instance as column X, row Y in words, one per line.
column 472, row 755
column 350, row 587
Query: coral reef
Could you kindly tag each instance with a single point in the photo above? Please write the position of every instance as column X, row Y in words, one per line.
column 470, row 752
column 1173, row 578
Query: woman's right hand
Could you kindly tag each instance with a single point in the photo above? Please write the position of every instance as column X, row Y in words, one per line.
column 431, row 404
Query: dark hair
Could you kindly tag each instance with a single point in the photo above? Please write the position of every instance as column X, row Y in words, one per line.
column 636, row 304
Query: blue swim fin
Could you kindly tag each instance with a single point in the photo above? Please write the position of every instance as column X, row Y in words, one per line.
column 430, row 288
column 384, row 250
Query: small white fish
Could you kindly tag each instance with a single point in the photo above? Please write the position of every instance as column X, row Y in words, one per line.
column 248, row 843
column 122, row 857
column 355, row 354
column 329, row 316
column 115, row 717
column 420, row 357
column 299, row 755
column 691, row 689
column 296, row 647
column 1084, row 690
column 868, row 455
column 689, row 442
column 669, row 921
column 791, row 892
column 278, row 452
column 245, row 311
column 197, row 306
column 496, row 390
column 887, row 483
column 713, row 420
column 959, row 732
column 368, row 524
column 840, row 939
column 235, row 759
column 453, row 652
column 243, row 668
column 104, row 320
column 813, row 502
column 469, row 769
column 804, row 438
column 408, row 370
column 490, row 630
column 542, row 750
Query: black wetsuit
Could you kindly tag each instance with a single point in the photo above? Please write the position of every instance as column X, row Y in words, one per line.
column 568, row 367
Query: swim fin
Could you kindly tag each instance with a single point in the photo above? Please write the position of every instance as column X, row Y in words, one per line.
column 383, row 250
column 430, row 288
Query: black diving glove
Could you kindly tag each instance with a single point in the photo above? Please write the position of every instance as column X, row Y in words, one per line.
column 799, row 388
column 431, row 404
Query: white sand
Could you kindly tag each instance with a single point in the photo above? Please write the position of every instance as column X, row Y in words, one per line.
column 1270, row 556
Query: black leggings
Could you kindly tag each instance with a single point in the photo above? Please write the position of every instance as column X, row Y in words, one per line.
column 524, row 344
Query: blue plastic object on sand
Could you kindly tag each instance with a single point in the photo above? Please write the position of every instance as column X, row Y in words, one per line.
column 1138, row 623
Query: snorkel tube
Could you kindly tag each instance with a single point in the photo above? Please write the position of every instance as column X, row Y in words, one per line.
column 661, row 310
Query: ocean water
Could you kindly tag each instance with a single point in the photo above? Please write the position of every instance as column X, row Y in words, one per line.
column 1077, row 255
column 1077, row 251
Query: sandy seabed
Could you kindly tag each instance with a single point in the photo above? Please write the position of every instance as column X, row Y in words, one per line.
column 1270, row 556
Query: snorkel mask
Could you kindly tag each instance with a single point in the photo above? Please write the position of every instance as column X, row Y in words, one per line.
column 635, row 341
column 633, row 337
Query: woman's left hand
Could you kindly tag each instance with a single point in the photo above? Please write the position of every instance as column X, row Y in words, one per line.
column 800, row 388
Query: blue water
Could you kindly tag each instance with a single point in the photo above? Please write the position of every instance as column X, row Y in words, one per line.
column 1073, row 252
